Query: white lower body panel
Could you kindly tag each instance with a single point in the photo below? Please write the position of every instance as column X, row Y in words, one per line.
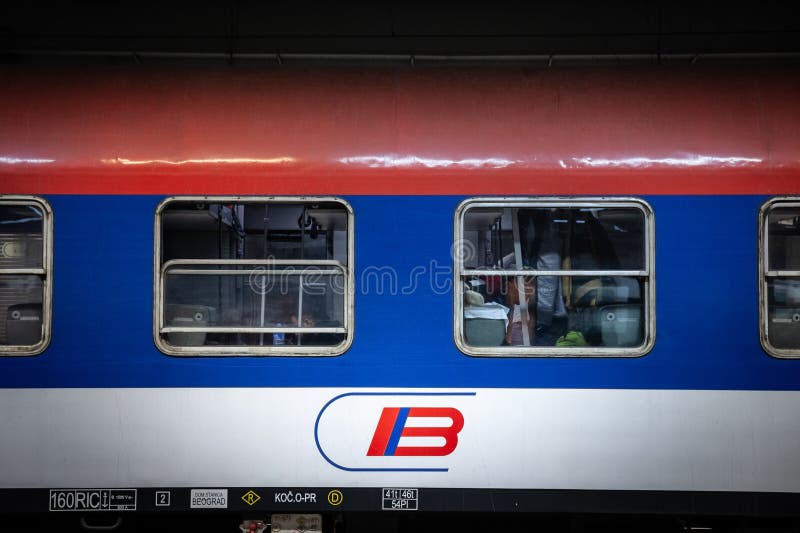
column 675, row 440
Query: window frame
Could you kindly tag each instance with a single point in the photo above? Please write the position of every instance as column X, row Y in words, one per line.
column 46, row 274
column 764, row 273
column 648, row 274
column 160, row 268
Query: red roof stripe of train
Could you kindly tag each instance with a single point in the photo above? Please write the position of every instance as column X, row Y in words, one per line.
column 510, row 131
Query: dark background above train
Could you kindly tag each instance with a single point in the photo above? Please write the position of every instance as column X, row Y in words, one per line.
column 272, row 33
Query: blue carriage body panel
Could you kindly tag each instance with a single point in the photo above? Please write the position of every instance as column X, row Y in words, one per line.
column 706, row 295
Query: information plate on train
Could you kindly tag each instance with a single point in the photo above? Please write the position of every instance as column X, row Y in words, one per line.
column 93, row 500
column 400, row 499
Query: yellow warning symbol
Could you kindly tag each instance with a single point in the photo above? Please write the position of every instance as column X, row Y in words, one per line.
column 335, row 497
column 250, row 497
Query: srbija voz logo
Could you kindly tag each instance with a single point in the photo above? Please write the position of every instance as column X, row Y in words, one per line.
column 391, row 431
column 392, row 426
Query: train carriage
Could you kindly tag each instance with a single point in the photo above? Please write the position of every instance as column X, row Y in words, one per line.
column 345, row 291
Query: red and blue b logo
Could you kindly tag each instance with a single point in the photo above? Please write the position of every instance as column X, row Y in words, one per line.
column 392, row 426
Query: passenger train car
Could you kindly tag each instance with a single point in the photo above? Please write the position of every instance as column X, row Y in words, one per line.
column 308, row 295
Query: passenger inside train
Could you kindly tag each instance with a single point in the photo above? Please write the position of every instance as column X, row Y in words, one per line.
column 521, row 301
column 583, row 271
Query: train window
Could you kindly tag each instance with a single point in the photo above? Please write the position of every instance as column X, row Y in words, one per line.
column 26, row 231
column 554, row 277
column 779, row 265
column 253, row 276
